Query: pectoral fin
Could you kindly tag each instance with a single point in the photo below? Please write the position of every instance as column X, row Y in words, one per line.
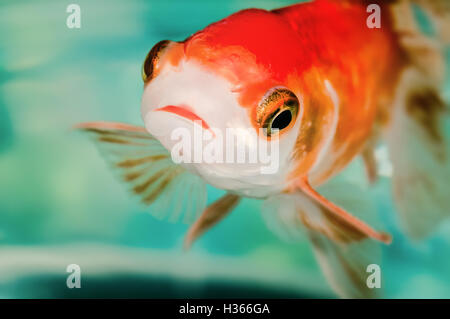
column 345, row 266
column 343, row 246
column 335, row 222
column 147, row 168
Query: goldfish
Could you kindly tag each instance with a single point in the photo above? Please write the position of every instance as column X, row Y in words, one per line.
column 318, row 81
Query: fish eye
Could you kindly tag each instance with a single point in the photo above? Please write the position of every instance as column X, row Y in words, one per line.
column 281, row 120
column 150, row 62
column 277, row 111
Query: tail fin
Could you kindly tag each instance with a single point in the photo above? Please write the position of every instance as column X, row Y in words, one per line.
column 418, row 133
column 439, row 11
column 419, row 145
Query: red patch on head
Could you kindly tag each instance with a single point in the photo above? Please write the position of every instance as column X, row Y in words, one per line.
column 265, row 36
column 253, row 49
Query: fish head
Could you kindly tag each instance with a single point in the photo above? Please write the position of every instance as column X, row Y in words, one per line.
column 233, row 81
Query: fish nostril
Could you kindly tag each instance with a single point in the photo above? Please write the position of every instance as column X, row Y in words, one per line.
column 151, row 61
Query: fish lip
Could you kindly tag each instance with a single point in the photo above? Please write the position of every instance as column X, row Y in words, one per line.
column 184, row 112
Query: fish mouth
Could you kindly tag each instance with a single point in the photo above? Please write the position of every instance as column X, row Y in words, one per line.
column 184, row 112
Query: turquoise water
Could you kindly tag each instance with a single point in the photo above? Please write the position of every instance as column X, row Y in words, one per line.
column 59, row 204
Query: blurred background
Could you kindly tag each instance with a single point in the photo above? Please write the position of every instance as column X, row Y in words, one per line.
column 60, row 204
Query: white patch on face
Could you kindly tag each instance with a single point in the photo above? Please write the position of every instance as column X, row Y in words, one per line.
column 211, row 98
column 326, row 155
